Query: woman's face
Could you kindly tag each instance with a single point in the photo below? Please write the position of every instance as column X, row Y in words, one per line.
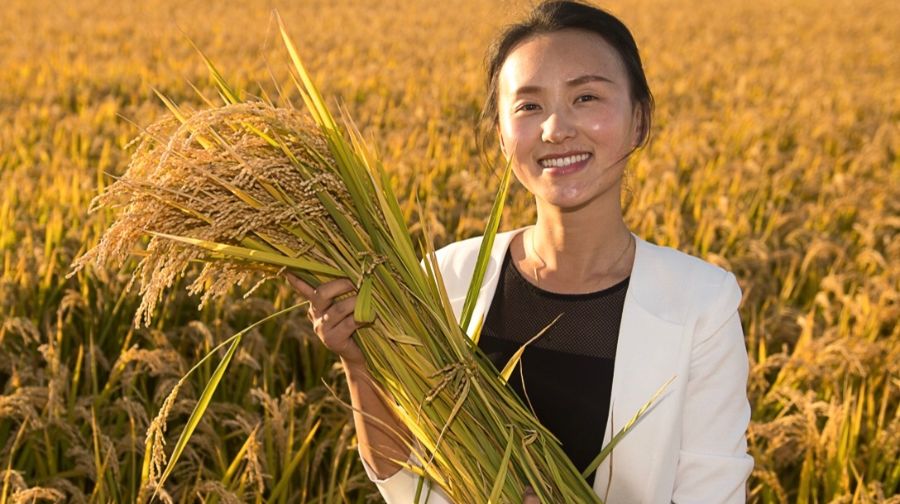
column 566, row 118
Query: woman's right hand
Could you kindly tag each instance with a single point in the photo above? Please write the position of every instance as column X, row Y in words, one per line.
column 332, row 320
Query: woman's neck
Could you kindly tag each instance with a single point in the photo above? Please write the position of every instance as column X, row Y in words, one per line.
column 578, row 250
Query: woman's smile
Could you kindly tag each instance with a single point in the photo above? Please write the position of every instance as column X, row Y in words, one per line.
column 564, row 164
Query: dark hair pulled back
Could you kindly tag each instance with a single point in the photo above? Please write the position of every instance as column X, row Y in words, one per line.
column 556, row 15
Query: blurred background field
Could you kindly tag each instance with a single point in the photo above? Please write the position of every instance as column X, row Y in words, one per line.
column 774, row 154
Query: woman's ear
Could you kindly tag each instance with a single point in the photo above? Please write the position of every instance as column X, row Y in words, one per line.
column 502, row 143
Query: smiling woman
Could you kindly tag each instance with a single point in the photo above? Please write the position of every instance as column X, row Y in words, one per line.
column 568, row 98
column 566, row 118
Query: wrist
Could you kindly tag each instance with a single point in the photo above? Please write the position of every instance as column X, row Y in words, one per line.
column 355, row 368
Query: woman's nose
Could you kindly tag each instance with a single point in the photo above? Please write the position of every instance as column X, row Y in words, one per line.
column 556, row 128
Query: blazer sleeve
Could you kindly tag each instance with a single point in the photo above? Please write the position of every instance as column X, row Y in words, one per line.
column 713, row 464
column 400, row 488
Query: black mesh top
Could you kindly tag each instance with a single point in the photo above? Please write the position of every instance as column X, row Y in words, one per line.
column 568, row 371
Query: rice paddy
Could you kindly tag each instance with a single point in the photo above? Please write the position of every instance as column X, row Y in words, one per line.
column 773, row 154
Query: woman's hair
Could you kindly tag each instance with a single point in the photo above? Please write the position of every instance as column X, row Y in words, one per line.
column 556, row 15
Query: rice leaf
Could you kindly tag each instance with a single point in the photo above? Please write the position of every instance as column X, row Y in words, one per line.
column 288, row 472
column 628, row 426
column 402, row 338
column 228, row 94
column 199, row 410
column 484, row 253
column 173, row 108
column 257, row 255
column 314, row 101
column 238, row 458
column 501, row 471
column 476, row 334
column 176, row 111
column 4, row 492
column 208, row 391
column 364, row 311
column 511, row 364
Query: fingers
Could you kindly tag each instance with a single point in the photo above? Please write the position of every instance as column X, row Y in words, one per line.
column 345, row 328
column 336, row 327
column 338, row 311
column 530, row 497
column 322, row 297
column 302, row 288
column 332, row 318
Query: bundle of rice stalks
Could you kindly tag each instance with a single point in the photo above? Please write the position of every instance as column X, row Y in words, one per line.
column 249, row 188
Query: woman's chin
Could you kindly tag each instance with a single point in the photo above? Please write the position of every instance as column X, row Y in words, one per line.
column 567, row 202
column 574, row 198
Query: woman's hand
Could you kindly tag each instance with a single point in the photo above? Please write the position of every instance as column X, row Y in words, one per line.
column 530, row 497
column 332, row 320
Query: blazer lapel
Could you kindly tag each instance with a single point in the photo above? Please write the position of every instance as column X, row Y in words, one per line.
column 647, row 356
column 489, row 285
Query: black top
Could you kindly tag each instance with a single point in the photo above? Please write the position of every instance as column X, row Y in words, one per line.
column 568, row 371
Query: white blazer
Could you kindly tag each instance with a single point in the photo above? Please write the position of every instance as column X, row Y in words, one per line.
column 679, row 319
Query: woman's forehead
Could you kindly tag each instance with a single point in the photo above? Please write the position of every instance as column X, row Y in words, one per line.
column 559, row 56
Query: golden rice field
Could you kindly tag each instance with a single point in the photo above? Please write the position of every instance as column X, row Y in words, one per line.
column 774, row 153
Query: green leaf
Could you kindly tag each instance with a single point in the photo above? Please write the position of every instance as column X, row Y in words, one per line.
column 625, row 430
column 257, row 255
column 364, row 311
column 228, row 94
column 199, row 410
column 511, row 364
column 501, row 471
column 288, row 472
column 484, row 253
column 208, row 391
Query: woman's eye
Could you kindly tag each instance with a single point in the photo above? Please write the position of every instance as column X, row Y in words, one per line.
column 527, row 107
column 585, row 98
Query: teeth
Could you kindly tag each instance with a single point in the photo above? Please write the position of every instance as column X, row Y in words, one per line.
column 565, row 161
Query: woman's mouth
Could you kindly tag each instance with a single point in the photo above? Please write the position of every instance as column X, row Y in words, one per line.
column 563, row 165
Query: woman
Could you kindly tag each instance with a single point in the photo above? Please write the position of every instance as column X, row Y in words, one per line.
column 569, row 101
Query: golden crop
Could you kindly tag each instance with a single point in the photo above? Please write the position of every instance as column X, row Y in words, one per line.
column 774, row 153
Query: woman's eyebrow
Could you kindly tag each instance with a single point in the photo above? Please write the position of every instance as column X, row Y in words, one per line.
column 584, row 79
column 577, row 81
column 524, row 90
